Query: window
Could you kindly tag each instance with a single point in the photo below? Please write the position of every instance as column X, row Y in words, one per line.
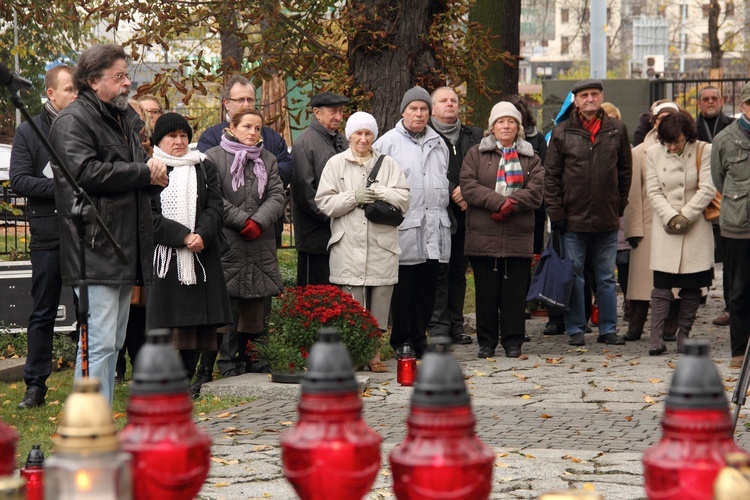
column 545, row 43
column 706, row 8
column 704, row 41
column 564, row 15
column 585, row 43
column 636, row 10
column 609, row 15
column 729, row 9
column 564, row 45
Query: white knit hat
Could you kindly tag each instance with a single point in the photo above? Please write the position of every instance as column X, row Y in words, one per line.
column 359, row 121
column 503, row 109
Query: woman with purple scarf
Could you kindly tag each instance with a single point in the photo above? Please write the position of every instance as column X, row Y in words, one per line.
column 253, row 202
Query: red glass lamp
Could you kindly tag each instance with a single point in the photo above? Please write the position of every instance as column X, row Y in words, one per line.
column 330, row 452
column 698, row 431
column 441, row 457
column 171, row 456
column 33, row 471
column 406, row 366
column 8, row 440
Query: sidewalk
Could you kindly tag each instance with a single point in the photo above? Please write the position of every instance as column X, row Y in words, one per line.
column 558, row 417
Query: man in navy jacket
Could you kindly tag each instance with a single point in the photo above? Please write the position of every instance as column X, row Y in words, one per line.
column 31, row 176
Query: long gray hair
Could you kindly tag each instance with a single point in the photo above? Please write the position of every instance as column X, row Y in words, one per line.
column 94, row 60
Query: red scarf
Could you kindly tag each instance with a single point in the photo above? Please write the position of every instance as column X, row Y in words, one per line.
column 592, row 125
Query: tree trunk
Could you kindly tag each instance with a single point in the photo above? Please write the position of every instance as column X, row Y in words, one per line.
column 714, row 46
column 503, row 19
column 231, row 43
column 388, row 54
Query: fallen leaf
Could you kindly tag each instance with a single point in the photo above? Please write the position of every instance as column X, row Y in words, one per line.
column 224, row 415
column 654, row 380
column 634, row 362
column 670, row 364
column 117, row 415
column 523, row 356
column 605, row 365
column 233, row 431
column 220, row 485
column 386, row 383
column 262, row 447
column 384, row 472
column 13, row 386
column 588, row 487
column 553, row 361
column 648, row 400
column 501, row 455
column 286, row 423
column 574, row 459
column 537, row 387
column 495, row 417
column 544, row 415
column 608, row 389
column 582, row 349
column 525, row 396
column 605, row 410
column 528, row 455
column 502, row 465
column 520, row 377
column 223, row 460
column 629, row 418
column 480, row 374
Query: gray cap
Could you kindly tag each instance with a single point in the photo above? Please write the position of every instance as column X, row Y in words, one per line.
column 416, row 94
column 328, row 99
column 588, row 83
column 745, row 93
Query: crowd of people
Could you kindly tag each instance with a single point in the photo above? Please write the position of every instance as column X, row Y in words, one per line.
column 200, row 228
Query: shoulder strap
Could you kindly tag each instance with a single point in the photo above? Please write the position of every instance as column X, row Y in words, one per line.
column 699, row 154
column 374, row 171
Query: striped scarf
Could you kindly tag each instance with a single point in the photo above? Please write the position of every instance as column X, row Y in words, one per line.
column 592, row 125
column 509, row 171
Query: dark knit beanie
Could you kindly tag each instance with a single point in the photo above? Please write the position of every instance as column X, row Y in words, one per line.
column 169, row 122
column 416, row 94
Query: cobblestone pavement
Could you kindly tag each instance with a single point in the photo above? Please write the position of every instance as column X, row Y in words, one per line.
column 558, row 417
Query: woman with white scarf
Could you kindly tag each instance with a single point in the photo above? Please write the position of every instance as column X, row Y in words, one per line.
column 189, row 294
column 502, row 181
column 253, row 202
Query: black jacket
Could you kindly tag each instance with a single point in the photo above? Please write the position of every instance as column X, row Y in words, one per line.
column 105, row 156
column 705, row 133
column 28, row 159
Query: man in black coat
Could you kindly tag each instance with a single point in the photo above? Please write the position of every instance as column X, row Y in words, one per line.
column 31, row 176
column 712, row 120
column 448, row 311
column 97, row 138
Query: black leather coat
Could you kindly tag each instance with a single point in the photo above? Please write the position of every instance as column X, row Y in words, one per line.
column 105, row 156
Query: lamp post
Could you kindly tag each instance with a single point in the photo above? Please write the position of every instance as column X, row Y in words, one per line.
column 330, row 452
column 697, row 431
column 441, row 456
column 171, row 456
column 87, row 463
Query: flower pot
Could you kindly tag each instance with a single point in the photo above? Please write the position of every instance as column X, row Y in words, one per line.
column 286, row 377
column 540, row 313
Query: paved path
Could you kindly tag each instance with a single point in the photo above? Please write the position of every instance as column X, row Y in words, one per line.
column 558, row 417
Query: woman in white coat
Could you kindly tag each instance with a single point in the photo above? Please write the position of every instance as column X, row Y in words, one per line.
column 682, row 254
column 363, row 254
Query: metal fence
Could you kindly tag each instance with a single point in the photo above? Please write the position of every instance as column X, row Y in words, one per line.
column 685, row 92
column 14, row 235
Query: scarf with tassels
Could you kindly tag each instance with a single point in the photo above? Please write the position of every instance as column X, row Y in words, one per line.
column 509, row 171
column 179, row 202
column 241, row 153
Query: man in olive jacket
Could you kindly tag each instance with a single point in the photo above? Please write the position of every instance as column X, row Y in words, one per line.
column 588, row 169
column 97, row 138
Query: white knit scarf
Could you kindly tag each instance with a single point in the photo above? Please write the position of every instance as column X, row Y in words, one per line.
column 178, row 203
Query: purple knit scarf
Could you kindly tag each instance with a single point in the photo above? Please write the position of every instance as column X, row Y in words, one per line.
column 241, row 152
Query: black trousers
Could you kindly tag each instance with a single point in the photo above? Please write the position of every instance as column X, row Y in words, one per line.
column 135, row 337
column 501, row 285
column 737, row 259
column 448, row 313
column 720, row 251
column 412, row 303
column 313, row 269
column 46, row 285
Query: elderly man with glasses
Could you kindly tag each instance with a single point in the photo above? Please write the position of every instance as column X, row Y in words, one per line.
column 97, row 138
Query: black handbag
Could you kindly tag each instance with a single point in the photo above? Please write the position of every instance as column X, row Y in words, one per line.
column 381, row 212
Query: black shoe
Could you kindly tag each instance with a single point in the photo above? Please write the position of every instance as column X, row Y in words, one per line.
column 577, row 339
column 119, row 379
column 669, row 338
column 553, row 329
column 588, row 329
column 203, row 376
column 657, row 351
column 486, row 352
column 526, row 337
column 33, row 397
column 462, row 339
column 513, row 352
column 611, row 339
column 630, row 337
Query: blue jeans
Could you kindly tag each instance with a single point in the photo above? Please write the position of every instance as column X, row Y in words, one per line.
column 109, row 308
column 603, row 249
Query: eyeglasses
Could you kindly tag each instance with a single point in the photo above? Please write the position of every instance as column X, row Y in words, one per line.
column 154, row 112
column 118, row 76
column 710, row 99
column 242, row 100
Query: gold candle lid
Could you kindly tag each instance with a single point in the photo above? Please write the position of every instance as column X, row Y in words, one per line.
column 87, row 426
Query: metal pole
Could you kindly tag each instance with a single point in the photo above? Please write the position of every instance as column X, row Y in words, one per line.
column 598, row 39
column 16, row 61
column 683, row 15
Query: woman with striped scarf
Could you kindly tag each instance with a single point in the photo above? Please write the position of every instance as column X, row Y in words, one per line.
column 502, row 180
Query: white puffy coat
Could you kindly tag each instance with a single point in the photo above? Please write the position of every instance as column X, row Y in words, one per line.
column 426, row 230
column 674, row 188
column 363, row 253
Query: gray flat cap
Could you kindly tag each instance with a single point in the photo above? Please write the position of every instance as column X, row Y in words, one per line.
column 328, row 99
column 588, row 83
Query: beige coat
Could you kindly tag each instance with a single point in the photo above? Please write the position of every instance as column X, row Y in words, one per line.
column 638, row 215
column 362, row 253
column 674, row 187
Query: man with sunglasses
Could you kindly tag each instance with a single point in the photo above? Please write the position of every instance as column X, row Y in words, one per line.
column 97, row 138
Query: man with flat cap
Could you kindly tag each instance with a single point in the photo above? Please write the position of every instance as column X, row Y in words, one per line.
column 586, row 184
column 312, row 150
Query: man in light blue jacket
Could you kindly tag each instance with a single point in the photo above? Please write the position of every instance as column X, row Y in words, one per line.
column 425, row 234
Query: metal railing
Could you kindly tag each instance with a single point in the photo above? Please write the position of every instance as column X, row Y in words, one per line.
column 685, row 92
column 14, row 234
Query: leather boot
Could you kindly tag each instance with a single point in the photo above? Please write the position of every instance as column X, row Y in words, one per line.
column 661, row 298
column 638, row 310
column 691, row 300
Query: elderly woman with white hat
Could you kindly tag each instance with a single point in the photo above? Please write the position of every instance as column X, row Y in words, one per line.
column 363, row 254
column 502, row 180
